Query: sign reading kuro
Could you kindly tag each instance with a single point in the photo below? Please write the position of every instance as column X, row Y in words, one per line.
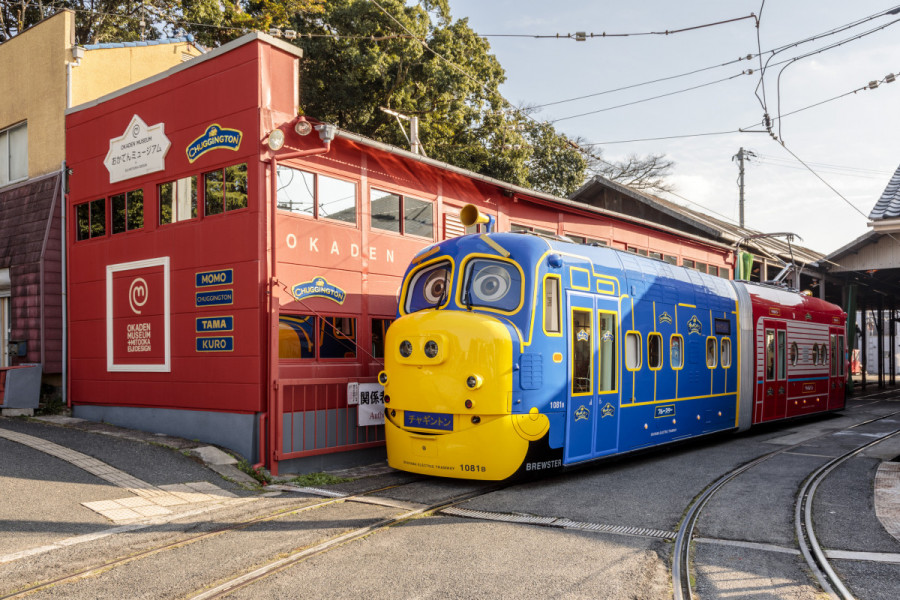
column 140, row 150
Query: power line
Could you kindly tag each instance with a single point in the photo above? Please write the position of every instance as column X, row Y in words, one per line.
column 582, row 36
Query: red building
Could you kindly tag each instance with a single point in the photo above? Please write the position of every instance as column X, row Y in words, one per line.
column 225, row 291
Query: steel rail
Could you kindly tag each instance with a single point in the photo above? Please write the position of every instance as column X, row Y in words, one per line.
column 681, row 583
column 271, row 516
column 276, row 566
column 809, row 544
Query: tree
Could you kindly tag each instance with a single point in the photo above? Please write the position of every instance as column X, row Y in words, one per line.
column 647, row 173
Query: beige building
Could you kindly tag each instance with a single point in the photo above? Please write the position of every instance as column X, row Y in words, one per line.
column 42, row 73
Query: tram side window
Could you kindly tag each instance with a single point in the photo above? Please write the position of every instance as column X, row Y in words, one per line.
column 379, row 331
column 794, row 353
column 551, row 305
column 770, row 354
column 823, row 354
column 712, row 352
column 127, row 211
column 814, row 354
column 581, row 352
column 782, row 357
column 654, row 351
column 91, row 219
column 225, row 189
column 633, row 351
column 840, row 355
column 178, row 200
column 676, row 352
column 607, row 325
column 833, row 355
column 725, row 351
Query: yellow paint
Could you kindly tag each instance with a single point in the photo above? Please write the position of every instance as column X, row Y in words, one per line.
column 500, row 249
column 668, row 400
column 423, row 255
column 572, row 270
column 532, row 426
column 412, row 275
column 33, row 72
column 559, row 300
column 607, row 285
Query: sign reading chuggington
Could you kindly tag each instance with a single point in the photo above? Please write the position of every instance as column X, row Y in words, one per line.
column 318, row 288
column 215, row 137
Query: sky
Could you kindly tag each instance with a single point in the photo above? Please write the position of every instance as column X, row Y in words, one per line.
column 852, row 143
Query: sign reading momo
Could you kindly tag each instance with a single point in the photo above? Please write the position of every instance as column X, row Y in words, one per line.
column 137, row 316
column 140, row 150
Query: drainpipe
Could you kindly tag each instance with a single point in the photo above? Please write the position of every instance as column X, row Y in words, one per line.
column 275, row 142
column 63, row 283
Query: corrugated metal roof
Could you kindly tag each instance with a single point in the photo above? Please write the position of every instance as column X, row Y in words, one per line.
column 888, row 206
column 173, row 40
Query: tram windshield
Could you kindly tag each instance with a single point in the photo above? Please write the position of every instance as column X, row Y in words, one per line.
column 429, row 287
column 490, row 283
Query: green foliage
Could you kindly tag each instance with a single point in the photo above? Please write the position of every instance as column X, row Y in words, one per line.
column 311, row 479
column 260, row 474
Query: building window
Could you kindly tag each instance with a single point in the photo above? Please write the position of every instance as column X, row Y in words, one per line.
column 401, row 214
column 656, row 255
column 672, row 260
column 516, row 228
column 14, row 154
column 225, row 189
column 90, row 219
column 309, row 337
column 316, row 195
column 178, row 200
column 713, row 270
column 687, row 264
column 639, row 251
column 379, row 332
column 127, row 211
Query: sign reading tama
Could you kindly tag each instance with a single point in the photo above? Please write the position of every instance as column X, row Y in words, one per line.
column 140, row 150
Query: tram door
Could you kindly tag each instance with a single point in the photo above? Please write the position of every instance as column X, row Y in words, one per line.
column 836, row 367
column 593, row 405
column 775, row 370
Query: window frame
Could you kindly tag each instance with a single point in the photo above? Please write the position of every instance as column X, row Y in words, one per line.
column 558, row 287
column 6, row 154
column 225, row 184
column 401, row 214
column 631, row 334
column 127, row 199
column 195, row 200
column 723, row 354
column 318, row 339
column 615, row 349
column 715, row 352
column 680, row 338
column 655, row 335
column 590, row 350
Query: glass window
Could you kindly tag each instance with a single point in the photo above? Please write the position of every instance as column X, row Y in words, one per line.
column 700, row 267
column 91, row 219
column 672, row 260
column 712, row 353
column 823, row 354
column 178, row 200
column 337, row 337
column 582, row 368
column 676, row 352
column 429, row 287
column 127, row 211
column 296, row 191
column 656, row 255
column 225, row 189
column 633, row 351
column 770, row 354
column 689, row 264
column 794, row 353
column 713, row 270
column 814, row 354
column 724, row 273
column 336, row 199
column 607, row 324
column 379, row 332
column 578, row 239
column 515, row 227
column 782, row 355
column 833, row 355
column 14, row 153
column 654, row 351
column 551, row 305
column 417, row 215
column 492, row 284
column 840, row 355
column 296, row 336
column 725, row 353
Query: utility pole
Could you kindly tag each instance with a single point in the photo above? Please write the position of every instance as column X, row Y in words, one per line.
column 740, row 156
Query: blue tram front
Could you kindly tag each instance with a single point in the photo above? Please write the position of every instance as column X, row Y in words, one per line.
column 514, row 353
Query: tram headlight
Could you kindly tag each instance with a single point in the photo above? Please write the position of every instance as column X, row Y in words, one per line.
column 382, row 378
column 431, row 349
column 473, row 382
column 405, row 348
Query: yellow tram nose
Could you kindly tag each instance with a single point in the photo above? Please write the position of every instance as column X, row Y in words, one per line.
column 449, row 362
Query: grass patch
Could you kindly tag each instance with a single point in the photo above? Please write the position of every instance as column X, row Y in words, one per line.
column 260, row 474
column 311, row 479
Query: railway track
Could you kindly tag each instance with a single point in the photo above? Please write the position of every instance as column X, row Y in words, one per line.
column 809, row 547
column 103, row 566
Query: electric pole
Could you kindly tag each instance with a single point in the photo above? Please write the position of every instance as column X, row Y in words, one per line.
column 740, row 156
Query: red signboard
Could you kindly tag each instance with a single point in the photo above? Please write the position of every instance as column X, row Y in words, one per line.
column 137, row 316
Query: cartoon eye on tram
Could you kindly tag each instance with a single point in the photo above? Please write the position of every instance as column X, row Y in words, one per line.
column 517, row 354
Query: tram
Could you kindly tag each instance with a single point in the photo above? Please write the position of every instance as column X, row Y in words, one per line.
column 515, row 354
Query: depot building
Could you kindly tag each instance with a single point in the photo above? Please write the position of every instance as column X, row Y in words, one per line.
column 232, row 267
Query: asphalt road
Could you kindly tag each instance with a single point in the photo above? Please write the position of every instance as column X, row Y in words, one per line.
column 746, row 546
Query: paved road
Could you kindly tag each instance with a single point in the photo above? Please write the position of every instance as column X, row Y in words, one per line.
column 606, row 530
